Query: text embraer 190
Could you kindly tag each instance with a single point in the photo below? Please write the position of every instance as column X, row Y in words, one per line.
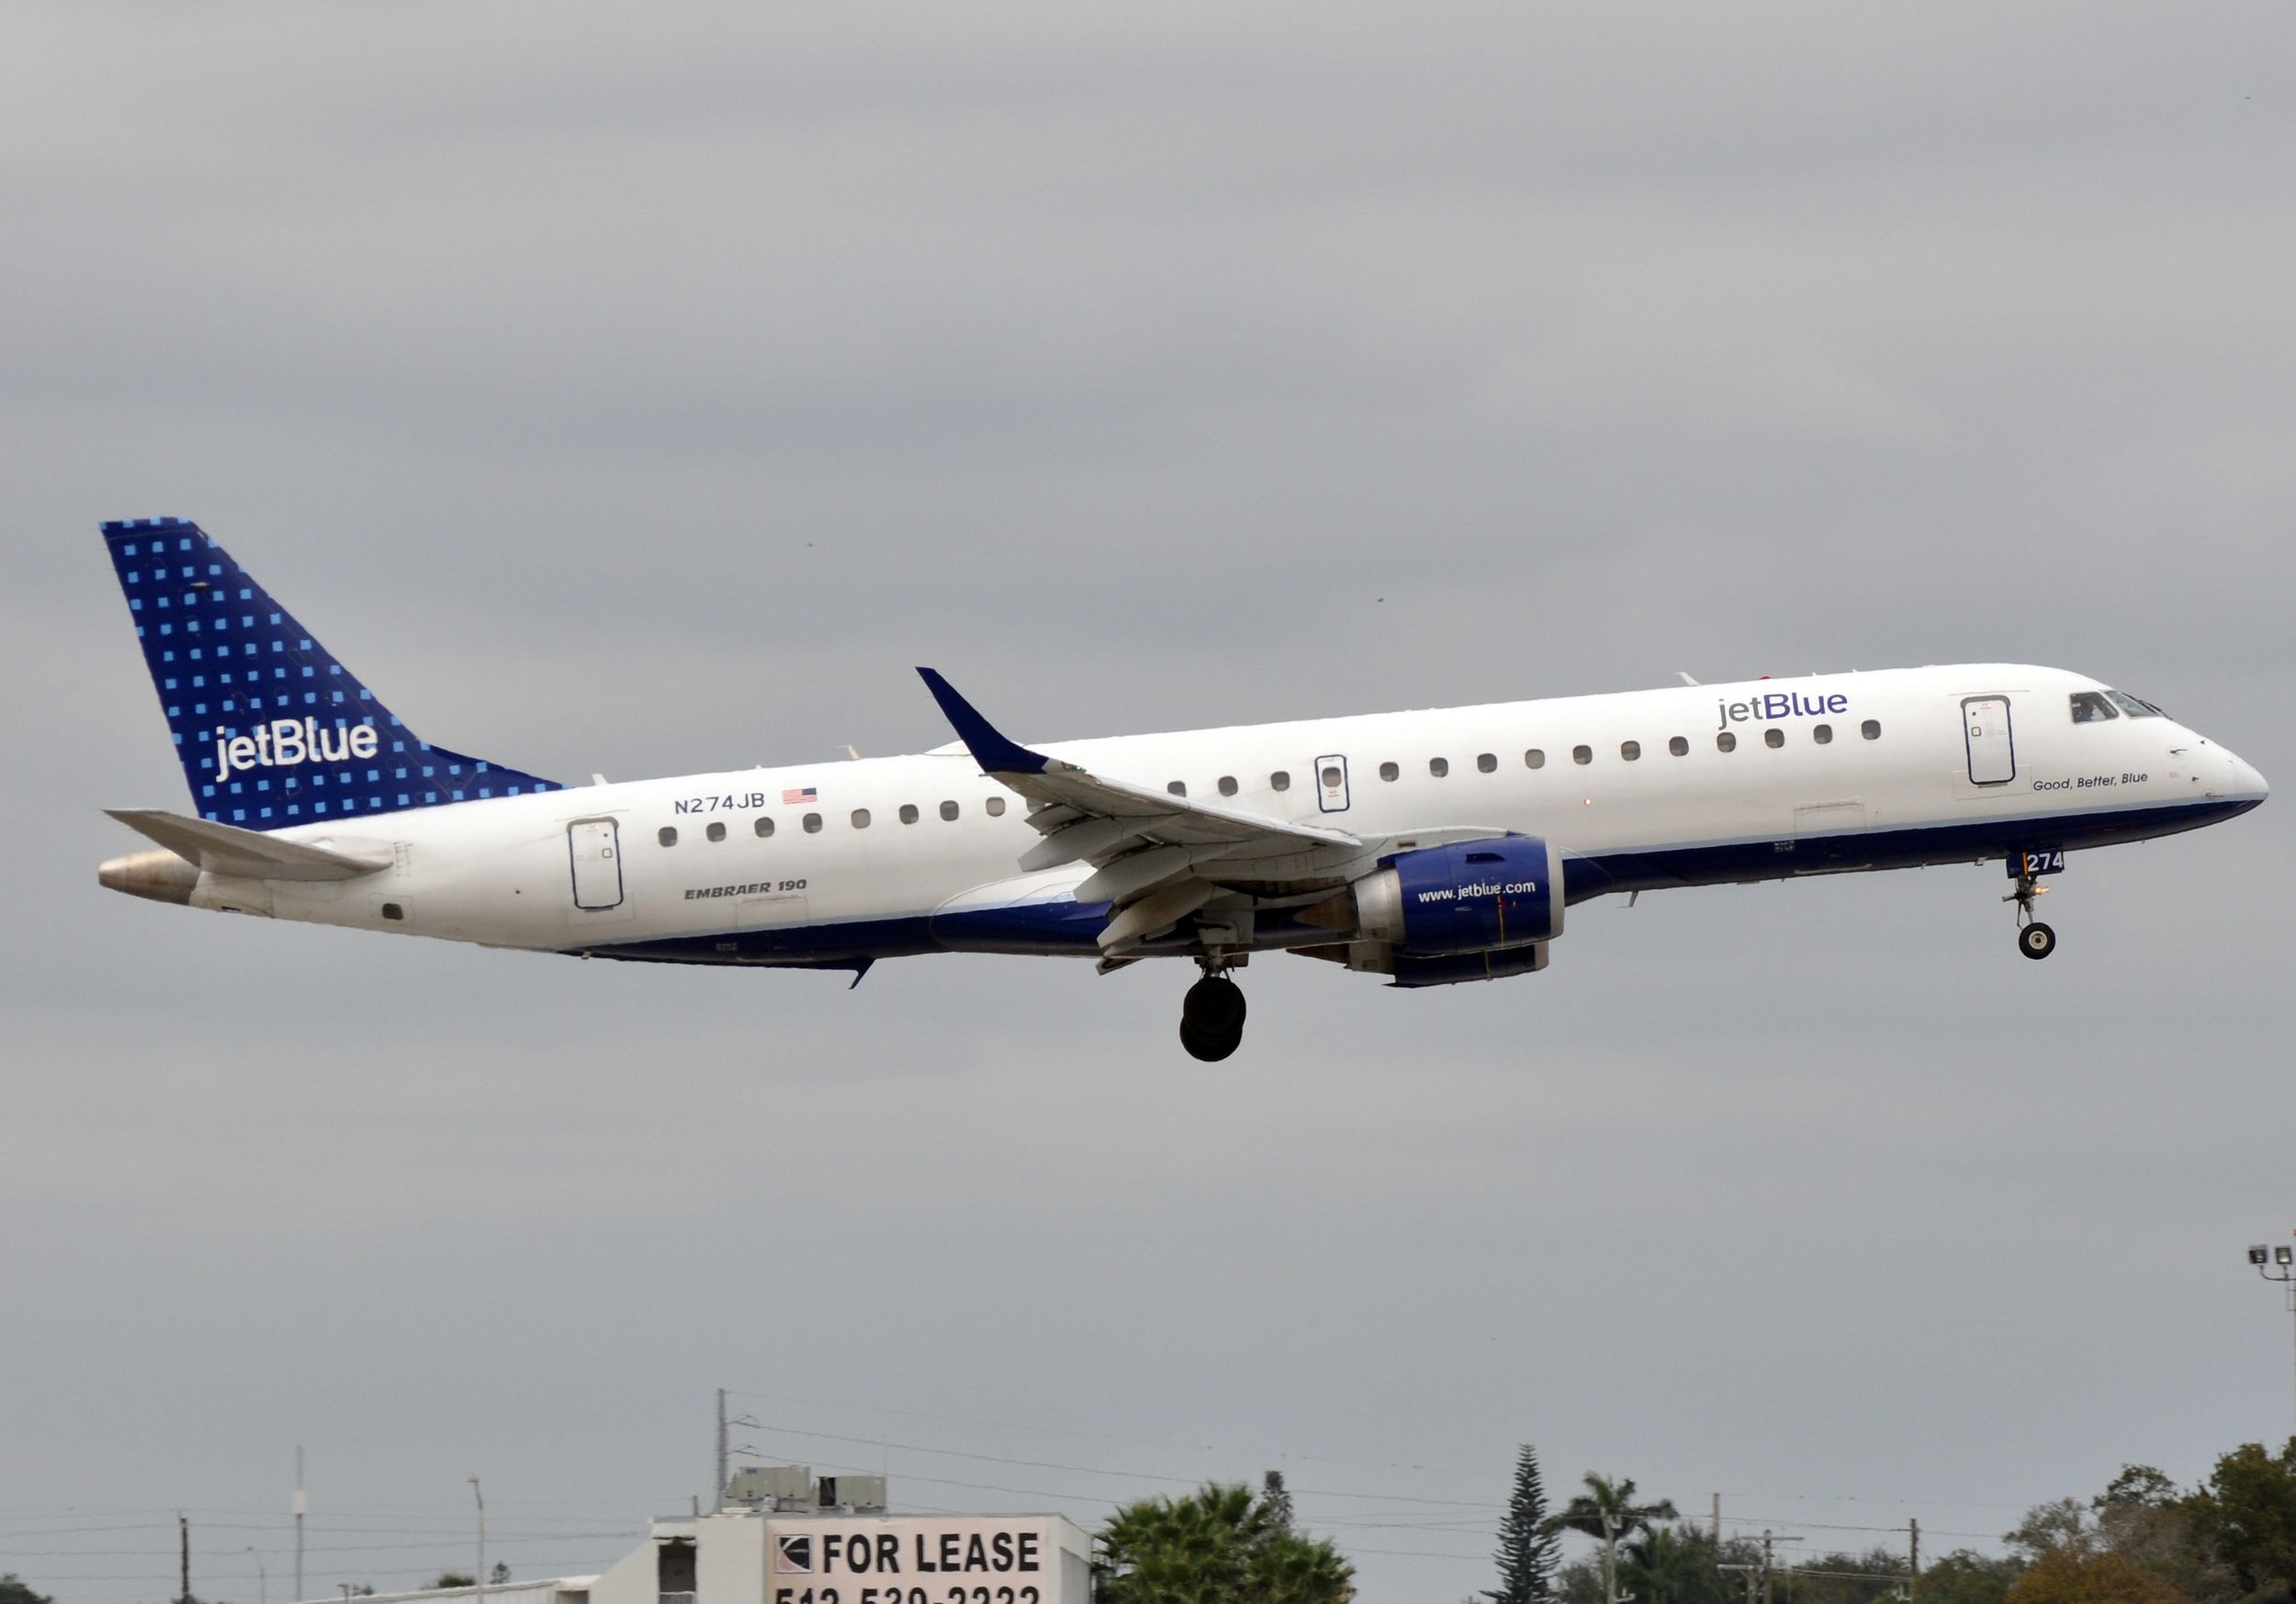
column 1430, row 847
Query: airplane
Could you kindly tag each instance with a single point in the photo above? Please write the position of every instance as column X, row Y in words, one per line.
column 1432, row 848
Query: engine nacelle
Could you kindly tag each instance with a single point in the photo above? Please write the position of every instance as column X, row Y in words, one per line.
column 1472, row 896
column 1461, row 966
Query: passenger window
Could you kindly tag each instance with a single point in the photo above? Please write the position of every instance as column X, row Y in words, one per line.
column 861, row 819
column 1773, row 737
column 715, row 832
column 1227, row 785
column 1630, row 750
column 1823, row 734
column 1534, row 758
column 1581, row 754
column 995, row 807
column 1390, row 772
column 812, row 821
column 1486, row 762
column 948, row 811
column 764, row 827
column 1279, row 781
column 1178, row 787
column 667, row 835
column 1871, row 730
column 1678, row 746
column 1726, row 741
column 1438, row 767
column 2092, row 708
column 1331, row 779
column 908, row 813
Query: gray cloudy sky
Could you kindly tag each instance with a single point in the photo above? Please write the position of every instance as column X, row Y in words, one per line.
column 645, row 389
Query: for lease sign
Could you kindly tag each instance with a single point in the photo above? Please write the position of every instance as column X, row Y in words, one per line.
column 914, row 1559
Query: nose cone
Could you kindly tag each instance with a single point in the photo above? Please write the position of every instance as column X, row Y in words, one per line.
column 2243, row 780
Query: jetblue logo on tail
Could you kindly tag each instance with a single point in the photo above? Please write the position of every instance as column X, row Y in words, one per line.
column 285, row 742
column 268, row 724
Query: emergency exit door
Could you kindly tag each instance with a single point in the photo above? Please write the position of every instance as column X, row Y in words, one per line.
column 1330, row 783
column 1985, row 726
column 597, row 855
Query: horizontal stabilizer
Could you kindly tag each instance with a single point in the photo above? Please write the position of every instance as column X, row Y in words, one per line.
column 221, row 849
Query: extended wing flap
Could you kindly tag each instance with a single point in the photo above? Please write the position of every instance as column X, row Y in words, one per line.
column 219, row 849
column 1158, row 858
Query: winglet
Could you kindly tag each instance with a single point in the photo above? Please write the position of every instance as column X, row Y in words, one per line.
column 992, row 750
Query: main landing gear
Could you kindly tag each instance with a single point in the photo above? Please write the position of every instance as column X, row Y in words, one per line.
column 2034, row 939
column 1211, row 1017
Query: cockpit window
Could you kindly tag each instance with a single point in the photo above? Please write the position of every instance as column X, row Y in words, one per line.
column 2091, row 707
column 2133, row 707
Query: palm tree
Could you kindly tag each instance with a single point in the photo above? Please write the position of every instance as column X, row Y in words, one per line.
column 1217, row 1545
column 1607, row 1510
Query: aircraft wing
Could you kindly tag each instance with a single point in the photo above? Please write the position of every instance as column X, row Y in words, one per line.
column 1156, row 857
column 220, row 849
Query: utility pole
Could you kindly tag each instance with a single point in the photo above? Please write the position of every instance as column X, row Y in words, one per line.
column 298, row 1524
column 1767, row 1596
column 2284, row 1270
column 183, row 1533
column 1610, row 1557
column 1913, row 1560
column 263, row 1577
column 717, row 1499
column 479, row 1493
column 1715, row 1531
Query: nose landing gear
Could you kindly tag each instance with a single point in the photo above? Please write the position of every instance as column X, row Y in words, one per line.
column 2034, row 939
column 1211, row 1017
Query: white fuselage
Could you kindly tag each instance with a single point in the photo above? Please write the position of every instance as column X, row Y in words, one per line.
column 917, row 853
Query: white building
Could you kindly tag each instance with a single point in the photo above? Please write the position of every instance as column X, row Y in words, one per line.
column 764, row 1552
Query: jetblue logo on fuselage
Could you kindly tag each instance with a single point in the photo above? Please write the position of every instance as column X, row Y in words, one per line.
column 1775, row 704
column 285, row 742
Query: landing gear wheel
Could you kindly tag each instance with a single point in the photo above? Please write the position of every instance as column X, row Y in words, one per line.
column 1211, row 1047
column 2036, row 941
column 1211, row 1018
column 1214, row 1006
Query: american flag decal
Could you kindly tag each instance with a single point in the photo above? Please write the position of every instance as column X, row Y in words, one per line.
column 808, row 795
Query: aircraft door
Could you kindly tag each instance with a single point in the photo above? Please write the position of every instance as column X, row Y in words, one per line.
column 597, row 854
column 1984, row 724
column 1330, row 783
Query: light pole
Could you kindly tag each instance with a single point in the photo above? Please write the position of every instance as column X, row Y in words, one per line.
column 2275, row 1264
column 263, row 1580
column 480, row 1493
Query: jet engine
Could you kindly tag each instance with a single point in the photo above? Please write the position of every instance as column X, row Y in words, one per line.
column 1472, row 911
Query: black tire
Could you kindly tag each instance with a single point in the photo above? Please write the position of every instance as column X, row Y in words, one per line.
column 1214, row 1007
column 1210, row 1047
column 2036, row 941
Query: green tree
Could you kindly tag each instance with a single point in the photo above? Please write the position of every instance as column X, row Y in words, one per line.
column 1217, row 1545
column 2062, row 1528
column 1529, row 1547
column 14, row 1589
column 1276, row 1499
column 2244, row 1519
column 1965, row 1578
column 1607, row 1512
column 453, row 1579
column 1671, row 1564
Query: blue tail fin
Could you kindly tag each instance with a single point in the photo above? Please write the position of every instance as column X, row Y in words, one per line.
column 270, row 728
